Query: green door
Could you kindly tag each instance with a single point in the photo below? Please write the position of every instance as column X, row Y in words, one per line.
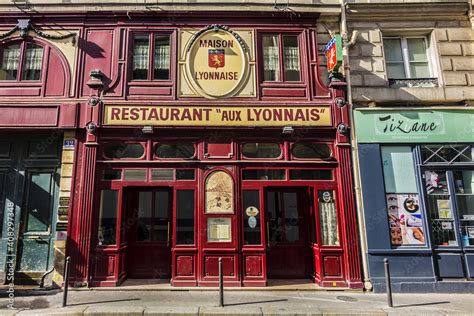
column 35, row 235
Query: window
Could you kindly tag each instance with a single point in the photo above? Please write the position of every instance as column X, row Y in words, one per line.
column 251, row 213
column 108, row 217
column 281, row 58
column 408, row 58
column 311, row 151
column 175, row 150
column 185, row 217
column 157, row 67
column 261, row 150
column 123, row 151
column 25, row 59
column 263, row 174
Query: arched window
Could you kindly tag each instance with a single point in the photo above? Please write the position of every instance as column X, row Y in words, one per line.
column 21, row 61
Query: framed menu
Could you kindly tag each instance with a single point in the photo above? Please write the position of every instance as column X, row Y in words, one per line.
column 219, row 230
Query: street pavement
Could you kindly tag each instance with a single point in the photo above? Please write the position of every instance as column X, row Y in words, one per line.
column 205, row 302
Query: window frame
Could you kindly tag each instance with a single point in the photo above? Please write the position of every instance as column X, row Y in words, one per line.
column 21, row 60
column 151, row 55
column 406, row 58
column 281, row 35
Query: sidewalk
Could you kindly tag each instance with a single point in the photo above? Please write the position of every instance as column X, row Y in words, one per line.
column 183, row 302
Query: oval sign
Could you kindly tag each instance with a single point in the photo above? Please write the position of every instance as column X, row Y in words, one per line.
column 252, row 222
column 251, row 211
column 327, row 197
column 217, row 62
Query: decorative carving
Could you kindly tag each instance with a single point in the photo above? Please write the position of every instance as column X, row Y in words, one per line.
column 24, row 25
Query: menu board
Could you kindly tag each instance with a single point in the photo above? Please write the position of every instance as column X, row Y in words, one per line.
column 218, row 230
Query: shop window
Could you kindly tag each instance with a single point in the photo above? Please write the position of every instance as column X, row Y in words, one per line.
column 263, row 174
column 112, row 174
column 124, row 151
column 407, row 60
column 157, row 67
column 184, row 217
column 25, row 59
column 281, row 58
column 311, row 151
column 5, row 149
column 464, row 184
column 403, row 205
column 175, row 150
column 442, row 154
column 153, row 216
column 251, row 212
column 328, row 218
column 305, row 174
column 108, row 217
column 261, row 150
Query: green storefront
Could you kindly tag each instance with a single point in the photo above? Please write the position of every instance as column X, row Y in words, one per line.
column 417, row 178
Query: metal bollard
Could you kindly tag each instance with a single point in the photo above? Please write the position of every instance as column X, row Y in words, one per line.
column 66, row 280
column 221, row 284
column 388, row 282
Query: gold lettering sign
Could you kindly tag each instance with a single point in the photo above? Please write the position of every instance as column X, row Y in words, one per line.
column 217, row 62
column 217, row 116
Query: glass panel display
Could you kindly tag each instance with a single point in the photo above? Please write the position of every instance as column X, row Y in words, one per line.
column 184, row 217
column 161, row 216
column 162, row 57
column 175, row 150
column 328, row 218
column 144, row 223
column 33, row 62
column 398, row 169
column 251, row 212
column 141, row 48
column 124, row 151
column 10, row 62
column 112, row 174
column 184, row 174
column 261, row 150
column 263, row 174
column 311, row 151
column 440, row 208
column 271, row 58
column 291, row 61
column 108, row 217
column 134, row 174
column 39, row 204
column 464, row 184
column 162, row 174
column 219, row 230
column 304, row 174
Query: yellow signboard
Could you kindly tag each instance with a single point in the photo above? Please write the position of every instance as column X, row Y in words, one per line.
column 217, row 116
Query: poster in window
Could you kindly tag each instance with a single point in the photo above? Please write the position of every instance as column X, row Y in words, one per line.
column 218, row 230
column 405, row 219
column 219, row 193
column 444, row 209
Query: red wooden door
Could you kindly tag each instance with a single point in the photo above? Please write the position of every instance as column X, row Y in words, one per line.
column 287, row 232
column 149, row 250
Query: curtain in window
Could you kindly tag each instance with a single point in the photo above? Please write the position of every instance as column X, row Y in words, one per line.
column 291, row 59
column 329, row 229
column 140, row 54
column 34, row 57
column 11, row 56
column 162, row 57
column 271, row 61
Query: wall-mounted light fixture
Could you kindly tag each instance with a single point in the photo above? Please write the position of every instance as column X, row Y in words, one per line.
column 287, row 130
column 147, row 129
column 96, row 79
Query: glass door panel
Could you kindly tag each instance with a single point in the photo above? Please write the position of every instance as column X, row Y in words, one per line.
column 464, row 184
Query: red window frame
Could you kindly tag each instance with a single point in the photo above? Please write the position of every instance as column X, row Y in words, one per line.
column 21, row 63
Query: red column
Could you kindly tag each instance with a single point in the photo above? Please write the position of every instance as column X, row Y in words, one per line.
column 348, row 213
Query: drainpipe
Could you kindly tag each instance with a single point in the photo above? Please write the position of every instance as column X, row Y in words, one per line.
column 346, row 44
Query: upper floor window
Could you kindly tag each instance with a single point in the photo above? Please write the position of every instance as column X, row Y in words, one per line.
column 408, row 58
column 151, row 57
column 281, row 57
column 21, row 61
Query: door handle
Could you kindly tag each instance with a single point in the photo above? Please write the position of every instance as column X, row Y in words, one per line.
column 168, row 235
column 268, row 234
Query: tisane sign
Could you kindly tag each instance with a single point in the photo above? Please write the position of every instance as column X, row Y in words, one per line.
column 217, row 62
column 217, row 116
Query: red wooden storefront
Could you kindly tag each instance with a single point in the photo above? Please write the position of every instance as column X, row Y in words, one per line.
column 166, row 201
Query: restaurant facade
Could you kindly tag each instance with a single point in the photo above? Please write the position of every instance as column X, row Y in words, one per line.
column 182, row 139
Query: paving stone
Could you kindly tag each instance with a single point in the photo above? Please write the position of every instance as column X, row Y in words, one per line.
column 291, row 311
column 171, row 310
column 114, row 310
column 230, row 310
column 69, row 311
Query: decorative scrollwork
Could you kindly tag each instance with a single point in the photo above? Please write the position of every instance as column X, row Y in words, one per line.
column 24, row 25
column 217, row 27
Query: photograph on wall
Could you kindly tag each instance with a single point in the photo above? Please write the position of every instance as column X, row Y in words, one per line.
column 405, row 219
column 219, row 190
